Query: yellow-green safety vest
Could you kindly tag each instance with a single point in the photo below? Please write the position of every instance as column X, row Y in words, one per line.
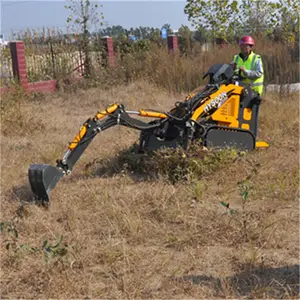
column 257, row 84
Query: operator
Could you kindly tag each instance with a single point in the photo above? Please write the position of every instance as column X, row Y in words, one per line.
column 250, row 68
column 249, row 65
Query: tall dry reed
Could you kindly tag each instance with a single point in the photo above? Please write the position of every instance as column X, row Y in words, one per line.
column 180, row 71
column 177, row 72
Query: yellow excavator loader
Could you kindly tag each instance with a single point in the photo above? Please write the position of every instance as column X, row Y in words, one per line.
column 223, row 114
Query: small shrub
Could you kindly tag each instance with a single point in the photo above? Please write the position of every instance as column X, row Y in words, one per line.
column 170, row 164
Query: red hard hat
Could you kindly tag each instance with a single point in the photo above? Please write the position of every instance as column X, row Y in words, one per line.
column 246, row 40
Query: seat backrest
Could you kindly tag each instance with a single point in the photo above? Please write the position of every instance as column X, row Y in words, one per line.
column 249, row 106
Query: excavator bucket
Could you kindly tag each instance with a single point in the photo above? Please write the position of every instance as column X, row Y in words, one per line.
column 43, row 179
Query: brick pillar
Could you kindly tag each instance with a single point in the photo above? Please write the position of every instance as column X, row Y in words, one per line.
column 109, row 47
column 17, row 51
column 172, row 42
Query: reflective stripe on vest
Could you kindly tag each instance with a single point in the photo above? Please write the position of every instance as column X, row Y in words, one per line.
column 253, row 62
column 257, row 84
column 249, row 64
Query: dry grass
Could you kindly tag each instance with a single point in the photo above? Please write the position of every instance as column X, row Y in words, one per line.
column 178, row 72
column 127, row 236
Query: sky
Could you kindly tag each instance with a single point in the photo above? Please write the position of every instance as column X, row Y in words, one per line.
column 18, row 15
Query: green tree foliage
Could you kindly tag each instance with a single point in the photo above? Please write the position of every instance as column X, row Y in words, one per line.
column 118, row 32
column 231, row 18
column 113, row 31
column 200, row 35
column 267, row 17
column 214, row 15
column 185, row 39
column 255, row 17
column 168, row 28
column 287, row 19
column 84, row 13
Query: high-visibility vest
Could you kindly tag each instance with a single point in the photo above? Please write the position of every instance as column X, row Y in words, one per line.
column 257, row 84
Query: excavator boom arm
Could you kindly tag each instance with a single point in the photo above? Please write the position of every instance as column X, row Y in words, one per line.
column 113, row 115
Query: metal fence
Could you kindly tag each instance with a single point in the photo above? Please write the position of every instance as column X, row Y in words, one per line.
column 6, row 73
column 55, row 60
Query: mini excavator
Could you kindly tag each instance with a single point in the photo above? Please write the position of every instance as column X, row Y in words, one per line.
column 223, row 114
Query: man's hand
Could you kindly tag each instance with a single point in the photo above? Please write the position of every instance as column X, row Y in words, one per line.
column 243, row 69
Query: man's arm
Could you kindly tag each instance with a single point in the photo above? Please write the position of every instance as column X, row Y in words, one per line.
column 258, row 72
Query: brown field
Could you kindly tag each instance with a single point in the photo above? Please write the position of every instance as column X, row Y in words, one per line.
column 128, row 236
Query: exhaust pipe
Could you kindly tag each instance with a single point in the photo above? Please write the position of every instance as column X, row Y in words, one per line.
column 43, row 179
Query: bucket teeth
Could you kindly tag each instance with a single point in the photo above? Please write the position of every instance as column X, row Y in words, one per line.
column 43, row 179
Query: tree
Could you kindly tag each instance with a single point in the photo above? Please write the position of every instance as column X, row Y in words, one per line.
column 185, row 35
column 148, row 32
column 265, row 16
column 287, row 18
column 200, row 35
column 84, row 14
column 168, row 28
column 255, row 16
column 114, row 31
column 215, row 15
column 155, row 35
column 230, row 18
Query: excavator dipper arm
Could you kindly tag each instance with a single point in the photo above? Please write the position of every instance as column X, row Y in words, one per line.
column 43, row 178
